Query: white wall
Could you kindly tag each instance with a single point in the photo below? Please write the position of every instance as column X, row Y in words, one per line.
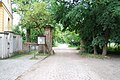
column 3, row 51
column 9, row 43
column 1, row 46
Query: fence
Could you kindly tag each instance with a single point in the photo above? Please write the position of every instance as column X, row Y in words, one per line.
column 9, row 43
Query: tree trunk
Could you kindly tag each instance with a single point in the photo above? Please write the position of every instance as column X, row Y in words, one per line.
column 95, row 50
column 28, row 35
column 94, row 46
column 106, row 36
column 82, row 49
column 104, row 50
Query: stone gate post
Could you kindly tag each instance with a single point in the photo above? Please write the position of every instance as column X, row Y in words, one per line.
column 48, row 34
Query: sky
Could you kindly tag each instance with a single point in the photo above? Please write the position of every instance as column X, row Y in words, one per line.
column 16, row 17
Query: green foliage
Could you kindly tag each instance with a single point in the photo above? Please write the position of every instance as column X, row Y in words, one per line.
column 114, row 49
column 72, row 38
column 19, row 54
column 19, row 31
column 37, row 17
column 99, row 40
column 35, row 33
column 34, row 16
column 68, row 37
column 94, row 56
column 97, row 21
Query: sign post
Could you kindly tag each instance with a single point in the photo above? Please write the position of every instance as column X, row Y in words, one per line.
column 42, row 41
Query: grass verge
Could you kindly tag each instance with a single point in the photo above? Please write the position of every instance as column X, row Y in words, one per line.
column 21, row 54
column 88, row 55
column 39, row 54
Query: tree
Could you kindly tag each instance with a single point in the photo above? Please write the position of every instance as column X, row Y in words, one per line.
column 107, row 21
column 19, row 31
column 34, row 16
column 94, row 20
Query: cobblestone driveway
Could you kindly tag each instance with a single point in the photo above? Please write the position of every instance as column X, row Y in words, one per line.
column 10, row 69
column 67, row 65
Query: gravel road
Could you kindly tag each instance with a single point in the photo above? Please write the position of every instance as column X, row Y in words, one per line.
column 66, row 64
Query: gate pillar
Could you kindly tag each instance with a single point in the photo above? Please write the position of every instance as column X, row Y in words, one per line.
column 48, row 34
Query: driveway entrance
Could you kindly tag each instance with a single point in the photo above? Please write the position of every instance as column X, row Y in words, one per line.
column 67, row 64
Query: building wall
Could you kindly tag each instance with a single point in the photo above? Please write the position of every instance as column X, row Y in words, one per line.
column 7, row 3
column 1, row 18
column 1, row 46
column 7, row 21
column 4, row 47
column 6, row 18
column 9, row 43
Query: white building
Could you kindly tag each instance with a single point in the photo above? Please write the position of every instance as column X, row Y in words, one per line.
column 9, row 42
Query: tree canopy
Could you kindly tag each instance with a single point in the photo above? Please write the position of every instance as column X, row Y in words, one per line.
column 34, row 15
column 97, row 21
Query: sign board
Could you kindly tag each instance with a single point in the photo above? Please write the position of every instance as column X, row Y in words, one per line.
column 41, row 40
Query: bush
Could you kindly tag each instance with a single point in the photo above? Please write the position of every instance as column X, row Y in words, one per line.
column 78, row 48
column 114, row 50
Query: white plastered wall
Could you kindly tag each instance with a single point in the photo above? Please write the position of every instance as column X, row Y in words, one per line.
column 9, row 43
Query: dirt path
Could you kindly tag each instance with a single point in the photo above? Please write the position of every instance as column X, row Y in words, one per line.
column 66, row 64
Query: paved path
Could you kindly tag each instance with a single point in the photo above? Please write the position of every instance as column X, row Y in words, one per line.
column 67, row 65
column 10, row 69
